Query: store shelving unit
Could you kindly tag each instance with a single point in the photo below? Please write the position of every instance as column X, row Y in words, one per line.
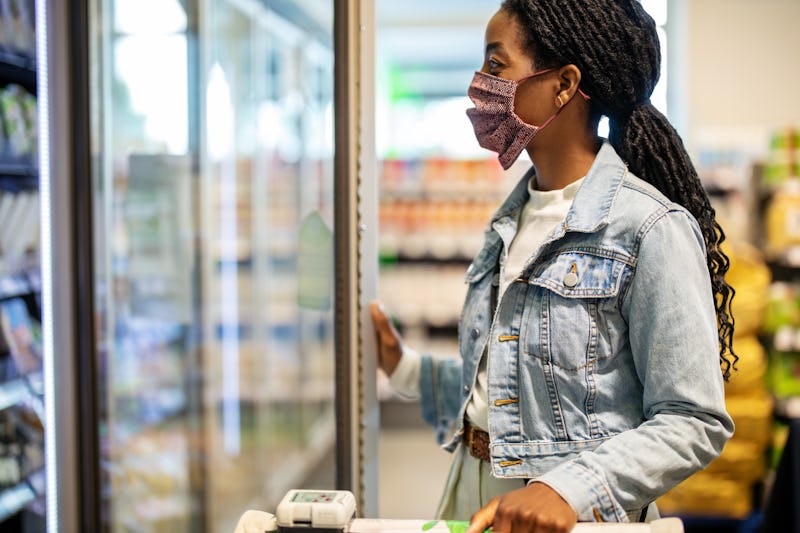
column 18, row 172
column 22, row 483
column 18, row 68
column 433, row 212
column 21, row 390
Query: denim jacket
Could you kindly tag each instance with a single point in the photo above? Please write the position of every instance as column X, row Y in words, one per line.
column 603, row 361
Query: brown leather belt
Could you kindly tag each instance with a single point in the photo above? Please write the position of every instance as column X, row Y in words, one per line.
column 477, row 442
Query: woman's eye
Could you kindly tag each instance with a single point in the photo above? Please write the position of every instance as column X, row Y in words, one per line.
column 493, row 65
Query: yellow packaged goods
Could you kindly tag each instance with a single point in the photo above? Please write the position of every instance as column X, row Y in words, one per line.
column 752, row 415
column 783, row 218
column 750, row 277
column 751, row 368
column 705, row 494
column 742, row 460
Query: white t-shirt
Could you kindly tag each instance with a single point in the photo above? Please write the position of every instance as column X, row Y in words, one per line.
column 541, row 214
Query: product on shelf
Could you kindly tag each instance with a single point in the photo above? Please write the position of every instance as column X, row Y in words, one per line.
column 17, row 26
column 437, row 209
column 407, row 290
column 150, row 480
column 783, row 222
column 447, row 178
column 784, row 157
column 750, row 276
column 708, row 495
column 21, row 445
column 751, row 373
column 18, row 330
column 22, row 477
column 19, row 230
column 782, row 322
column 18, row 116
column 784, row 373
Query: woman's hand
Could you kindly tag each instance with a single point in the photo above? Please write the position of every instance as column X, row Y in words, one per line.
column 390, row 344
column 532, row 509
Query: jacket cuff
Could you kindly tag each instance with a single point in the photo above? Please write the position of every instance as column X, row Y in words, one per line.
column 427, row 385
column 586, row 492
column 405, row 378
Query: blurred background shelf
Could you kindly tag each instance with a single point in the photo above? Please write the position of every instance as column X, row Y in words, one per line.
column 14, row 499
column 18, row 285
column 18, row 68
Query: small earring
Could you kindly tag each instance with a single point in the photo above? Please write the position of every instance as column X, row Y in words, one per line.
column 559, row 102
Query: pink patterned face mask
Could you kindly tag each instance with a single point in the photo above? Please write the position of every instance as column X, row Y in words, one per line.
column 497, row 127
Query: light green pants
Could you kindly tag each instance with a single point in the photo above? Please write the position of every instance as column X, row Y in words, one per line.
column 470, row 486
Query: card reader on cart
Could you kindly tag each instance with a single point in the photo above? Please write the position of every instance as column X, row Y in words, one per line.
column 316, row 511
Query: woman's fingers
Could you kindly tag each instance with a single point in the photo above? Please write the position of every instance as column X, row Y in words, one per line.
column 533, row 509
column 484, row 518
column 389, row 342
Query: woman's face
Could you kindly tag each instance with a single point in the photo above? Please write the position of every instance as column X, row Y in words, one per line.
column 506, row 57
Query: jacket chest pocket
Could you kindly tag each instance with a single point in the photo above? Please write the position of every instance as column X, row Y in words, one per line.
column 572, row 319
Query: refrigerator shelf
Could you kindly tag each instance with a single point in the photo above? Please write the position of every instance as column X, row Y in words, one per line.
column 16, row 286
column 15, row 183
column 12, row 500
column 12, row 393
column 18, row 68
column 264, row 396
column 18, row 167
column 26, row 389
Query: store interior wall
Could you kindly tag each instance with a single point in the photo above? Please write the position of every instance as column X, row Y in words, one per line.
column 742, row 70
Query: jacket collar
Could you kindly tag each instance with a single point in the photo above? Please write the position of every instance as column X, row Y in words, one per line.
column 590, row 210
column 591, row 207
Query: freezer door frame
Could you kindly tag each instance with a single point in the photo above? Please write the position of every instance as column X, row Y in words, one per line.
column 71, row 442
column 356, row 194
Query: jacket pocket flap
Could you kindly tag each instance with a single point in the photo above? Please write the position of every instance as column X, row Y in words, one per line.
column 580, row 275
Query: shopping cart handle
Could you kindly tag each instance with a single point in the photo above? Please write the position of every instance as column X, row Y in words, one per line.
column 259, row 521
column 372, row 525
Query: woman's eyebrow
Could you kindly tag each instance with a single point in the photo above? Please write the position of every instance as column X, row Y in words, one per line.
column 493, row 47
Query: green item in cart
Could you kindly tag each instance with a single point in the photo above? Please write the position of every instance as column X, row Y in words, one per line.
column 454, row 526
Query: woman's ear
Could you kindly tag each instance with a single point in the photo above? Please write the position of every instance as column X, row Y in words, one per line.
column 569, row 78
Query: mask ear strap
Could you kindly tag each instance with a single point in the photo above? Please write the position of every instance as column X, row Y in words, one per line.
column 560, row 109
column 537, row 73
column 552, row 117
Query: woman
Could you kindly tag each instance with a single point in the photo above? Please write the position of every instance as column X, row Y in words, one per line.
column 597, row 314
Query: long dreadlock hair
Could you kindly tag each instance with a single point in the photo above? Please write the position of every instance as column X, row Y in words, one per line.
column 615, row 45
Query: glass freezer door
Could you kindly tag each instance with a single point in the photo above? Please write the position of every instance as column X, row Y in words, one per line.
column 212, row 141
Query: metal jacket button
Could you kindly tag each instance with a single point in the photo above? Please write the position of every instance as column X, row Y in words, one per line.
column 571, row 278
column 475, row 333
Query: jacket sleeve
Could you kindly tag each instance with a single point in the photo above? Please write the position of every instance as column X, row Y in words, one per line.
column 675, row 350
column 440, row 388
